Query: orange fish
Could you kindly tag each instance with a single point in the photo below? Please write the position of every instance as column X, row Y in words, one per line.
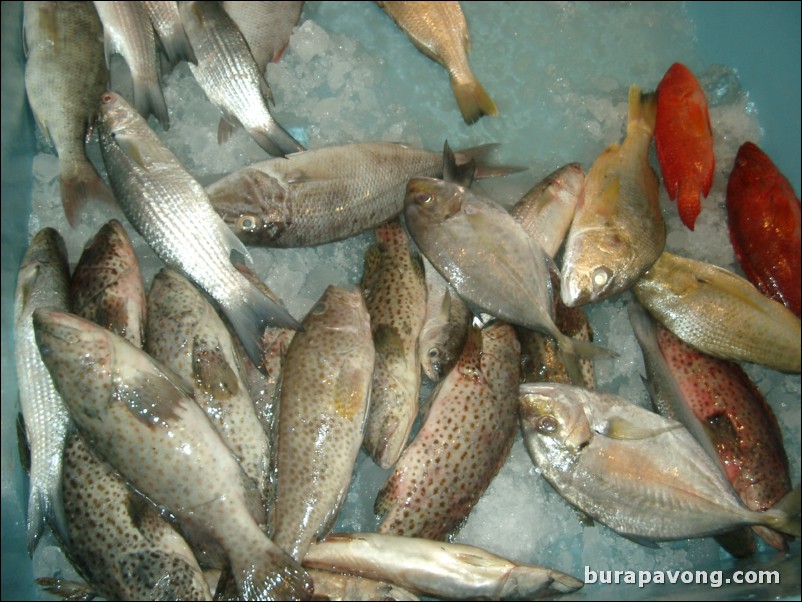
column 684, row 141
column 764, row 220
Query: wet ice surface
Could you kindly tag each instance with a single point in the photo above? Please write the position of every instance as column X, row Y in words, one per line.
column 559, row 73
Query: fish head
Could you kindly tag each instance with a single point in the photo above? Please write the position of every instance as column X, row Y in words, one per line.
column 432, row 201
column 115, row 112
column 593, row 267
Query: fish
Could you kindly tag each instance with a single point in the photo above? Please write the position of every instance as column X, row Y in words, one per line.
column 106, row 285
column 266, row 26
column 439, row 30
column 394, row 287
column 42, row 282
column 230, row 78
column 618, row 230
column 143, row 421
column 683, row 138
column 187, row 336
column 339, row 586
column 325, row 393
column 467, row 433
column 445, row 326
column 170, row 32
column 437, row 569
column 763, row 217
column 719, row 313
column 723, row 409
column 128, row 32
column 171, row 211
column 327, row 194
column 64, row 75
column 547, row 209
column 644, row 476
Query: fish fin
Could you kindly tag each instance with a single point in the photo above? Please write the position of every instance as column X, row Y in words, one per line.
column 784, row 516
column 128, row 145
column 373, row 262
column 226, row 129
column 149, row 100
column 388, row 341
column 646, row 543
column 585, row 349
column 211, row 370
column 264, row 89
column 152, row 399
column 460, row 173
column 276, row 140
column 642, row 110
column 473, row 100
column 609, row 197
column 23, row 445
column 689, row 203
column 46, row 506
column 739, row 543
column 263, row 571
column 485, row 170
column 67, row 589
column 584, row 518
column 81, row 183
column 42, row 124
column 385, row 499
column 623, row 429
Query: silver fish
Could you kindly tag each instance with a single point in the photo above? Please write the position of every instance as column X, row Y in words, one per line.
column 144, row 423
column 64, row 75
column 127, row 31
column 42, row 282
column 166, row 21
column 266, row 26
column 171, row 211
column 720, row 313
column 228, row 74
column 437, row 569
column 618, row 231
column 395, row 295
column 325, row 392
column 641, row 474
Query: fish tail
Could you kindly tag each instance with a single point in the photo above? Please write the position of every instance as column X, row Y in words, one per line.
column 784, row 516
column 263, row 571
column 45, row 505
column 80, row 183
column 642, row 110
column 482, row 169
column 689, row 204
column 276, row 140
column 572, row 349
column 472, row 99
column 149, row 100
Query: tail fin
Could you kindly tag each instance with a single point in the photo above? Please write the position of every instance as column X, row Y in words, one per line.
column 689, row 203
column 642, row 109
column 482, row 169
column 46, row 507
column 149, row 99
column 80, row 183
column 472, row 99
column 263, row 571
column 784, row 516
column 276, row 140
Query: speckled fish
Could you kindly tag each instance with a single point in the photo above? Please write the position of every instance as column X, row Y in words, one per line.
column 547, row 209
column 120, row 397
column 350, row 588
column 64, row 75
column 325, row 392
column 185, row 334
column 395, row 295
column 642, row 475
column 106, row 286
column 618, row 231
column 169, row 29
column 42, row 282
column 723, row 409
column 445, row 327
column 266, row 26
column 465, row 438
column 170, row 209
column 439, row 30
column 437, row 569
column 326, row 194
column 127, row 31
column 720, row 313
column 230, row 78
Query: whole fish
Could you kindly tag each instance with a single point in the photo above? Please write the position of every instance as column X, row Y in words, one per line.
column 42, row 282
column 439, row 30
column 127, row 31
column 684, row 141
column 720, row 313
column 144, row 423
column 437, row 569
column 106, row 286
column 465, row 438
column 763, row 215
column 169, row 208
column 325, row 392
column 64, row 75
column 547, row 209
column 266, row 26
column 642, row 475
column 166, row 21
column 618, row 231
column 186, row 335
column 326, row 194
column 445, row 326
column 395, row 295
column 723, row 409
column 230, row 78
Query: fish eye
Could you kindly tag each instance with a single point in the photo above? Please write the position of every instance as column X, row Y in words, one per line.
column 601, row 276
column 546, row 425
column 318, row 308
column 247, row 223
column 424, row 199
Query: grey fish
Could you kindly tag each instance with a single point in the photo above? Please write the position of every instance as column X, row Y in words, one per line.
column 339, row 586
column 230, row 78
column 120, row 397
column 325, row 392
column 127, row 31
column 618, row 230
column 395, row 295
column 720, row 313
column 642, row 475
column 437, row 569
column 42, row 282
column 64, row 75
column 166, row 21
column 327, row 194
column 170, row 209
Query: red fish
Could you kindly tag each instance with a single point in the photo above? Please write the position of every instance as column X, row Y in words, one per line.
column 764, row 220
column 684, row 141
